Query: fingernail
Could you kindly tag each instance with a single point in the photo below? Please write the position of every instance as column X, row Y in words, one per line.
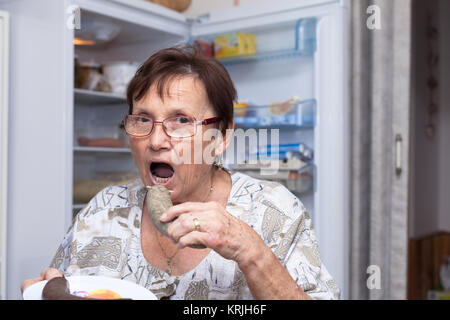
column 163, row 217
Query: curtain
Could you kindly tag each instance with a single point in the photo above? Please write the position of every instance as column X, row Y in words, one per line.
column 380, row 103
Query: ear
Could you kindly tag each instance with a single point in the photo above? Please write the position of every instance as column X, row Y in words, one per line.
column 222, row 144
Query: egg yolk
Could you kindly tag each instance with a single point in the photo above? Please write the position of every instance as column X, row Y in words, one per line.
column 103, row 294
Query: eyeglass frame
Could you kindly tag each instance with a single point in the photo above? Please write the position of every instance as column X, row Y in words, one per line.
column 196, row 123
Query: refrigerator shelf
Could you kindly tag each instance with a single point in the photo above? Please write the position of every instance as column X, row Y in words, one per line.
column 89, row 97
column 297, row 181
column 297, row 115
column 101, row 150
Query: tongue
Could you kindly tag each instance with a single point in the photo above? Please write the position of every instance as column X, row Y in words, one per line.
column 163, row 170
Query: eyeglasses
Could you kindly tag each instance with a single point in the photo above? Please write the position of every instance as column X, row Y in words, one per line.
column 175, row 127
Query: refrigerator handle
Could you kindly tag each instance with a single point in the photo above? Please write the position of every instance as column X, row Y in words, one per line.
column 398, row 154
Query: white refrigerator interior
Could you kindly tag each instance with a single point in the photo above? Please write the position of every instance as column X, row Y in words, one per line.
column 301, row 55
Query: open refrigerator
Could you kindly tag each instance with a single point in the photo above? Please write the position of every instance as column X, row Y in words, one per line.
column 294, row 82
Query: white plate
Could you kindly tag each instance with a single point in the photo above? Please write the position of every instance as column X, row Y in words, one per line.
column 125, row 289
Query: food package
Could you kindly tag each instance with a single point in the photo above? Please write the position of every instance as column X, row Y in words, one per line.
column 282, row 108
column 234, row 44
column 206, row 48
column 119, row 74
column 88, row 76
column 240, row 109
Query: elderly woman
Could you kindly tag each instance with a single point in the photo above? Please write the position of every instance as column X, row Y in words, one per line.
column 257, row 237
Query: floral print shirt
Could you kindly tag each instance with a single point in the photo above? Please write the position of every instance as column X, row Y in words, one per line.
column 104, row 239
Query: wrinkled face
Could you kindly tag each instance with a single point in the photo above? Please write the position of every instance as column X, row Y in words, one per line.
column 177, row 163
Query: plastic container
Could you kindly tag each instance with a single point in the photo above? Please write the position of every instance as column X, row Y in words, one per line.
column 119, row 74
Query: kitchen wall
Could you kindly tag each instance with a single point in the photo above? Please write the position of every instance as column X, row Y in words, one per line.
column 199, row 7
column 430, row 163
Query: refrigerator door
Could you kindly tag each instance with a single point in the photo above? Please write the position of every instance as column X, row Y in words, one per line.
column 281, row 70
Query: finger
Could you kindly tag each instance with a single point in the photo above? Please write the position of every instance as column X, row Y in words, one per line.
column 50, row 273
column 194, row 237
column 181, row 226
column 177, row 210
column 28, row 282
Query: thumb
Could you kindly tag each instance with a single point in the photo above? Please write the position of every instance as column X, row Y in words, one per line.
column 28, row 282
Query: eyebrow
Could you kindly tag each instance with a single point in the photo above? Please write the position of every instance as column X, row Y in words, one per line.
column 138, row 110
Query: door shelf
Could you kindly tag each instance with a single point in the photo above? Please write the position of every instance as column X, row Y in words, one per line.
column 263, row 56
column 297, row 181
column 90, row 97
column 291, row 39
column 296, row 115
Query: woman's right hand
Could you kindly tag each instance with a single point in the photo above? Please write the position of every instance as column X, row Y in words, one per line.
column 47, row 274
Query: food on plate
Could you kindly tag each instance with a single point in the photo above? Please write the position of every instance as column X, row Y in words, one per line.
column 158, row 201
column 58, row 289
column 103, row 294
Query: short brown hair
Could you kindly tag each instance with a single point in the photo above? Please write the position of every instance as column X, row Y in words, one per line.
column 169, row 63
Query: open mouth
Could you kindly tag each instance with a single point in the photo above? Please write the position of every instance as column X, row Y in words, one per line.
column 161, row 172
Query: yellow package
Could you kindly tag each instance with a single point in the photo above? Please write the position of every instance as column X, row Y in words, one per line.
column 234, row 44
column 240, row 109
column 250, row 43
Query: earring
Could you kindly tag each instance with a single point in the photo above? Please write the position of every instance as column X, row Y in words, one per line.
column 218, row 161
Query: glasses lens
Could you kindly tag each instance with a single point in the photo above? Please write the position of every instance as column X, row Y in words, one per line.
column 180, row 127
column 138, row 126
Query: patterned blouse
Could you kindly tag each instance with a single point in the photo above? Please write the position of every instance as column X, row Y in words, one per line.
column 104, row 239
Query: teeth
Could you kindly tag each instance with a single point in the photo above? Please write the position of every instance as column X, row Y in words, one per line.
column 161, row 180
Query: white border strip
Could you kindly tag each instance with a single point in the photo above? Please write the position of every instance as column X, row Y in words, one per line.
column 4, row 21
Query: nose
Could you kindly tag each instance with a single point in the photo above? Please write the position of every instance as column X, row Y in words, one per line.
column 158, row 138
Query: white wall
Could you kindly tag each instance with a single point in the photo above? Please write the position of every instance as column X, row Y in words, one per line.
column 199, row 7
column 430, row 183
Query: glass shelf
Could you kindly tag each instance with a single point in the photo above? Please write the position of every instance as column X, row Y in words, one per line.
column 300, row 115
column 299, row 181
column 83, row 96
column 101, row 150
column 263, row 56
